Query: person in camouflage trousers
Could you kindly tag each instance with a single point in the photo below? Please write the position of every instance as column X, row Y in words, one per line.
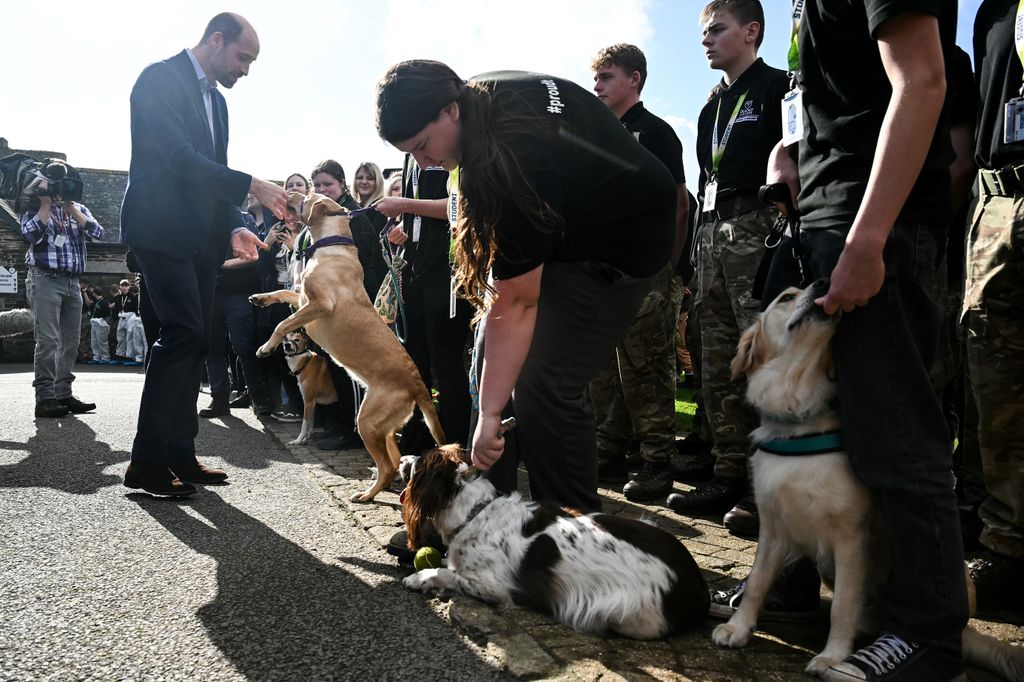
column 634, row 396
column 994, row 326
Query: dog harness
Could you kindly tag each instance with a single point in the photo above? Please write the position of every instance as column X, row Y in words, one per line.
column 811, row 444
column 335, row 240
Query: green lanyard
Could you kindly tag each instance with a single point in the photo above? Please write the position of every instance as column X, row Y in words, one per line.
column 794, row 37
column 718, row 150
column 454, row 190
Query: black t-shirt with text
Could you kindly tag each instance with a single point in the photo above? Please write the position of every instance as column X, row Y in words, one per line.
column 846, row 95
column 617, row 199
column 999, row 80
column 657, row 137
column 757, row 129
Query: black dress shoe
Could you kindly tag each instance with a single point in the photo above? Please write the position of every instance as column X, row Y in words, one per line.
column 77, row 406
column 652, row 482
column 191, row 471
column 156, row 479
column 51, row 408
column 218, row 408
column 333, row 431
column 715, row 497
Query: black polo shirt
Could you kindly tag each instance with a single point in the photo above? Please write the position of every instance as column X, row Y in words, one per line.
column 846, row 94
column 617, row 199
column 999, row 80
column 657, row 137
column 757, row 129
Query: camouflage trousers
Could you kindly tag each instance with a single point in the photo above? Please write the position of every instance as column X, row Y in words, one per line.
column 633, row 397
column 994, row 328
column 730, row 252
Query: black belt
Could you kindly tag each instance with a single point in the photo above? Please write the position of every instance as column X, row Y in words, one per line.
column 733, row 206
column 1005, row 182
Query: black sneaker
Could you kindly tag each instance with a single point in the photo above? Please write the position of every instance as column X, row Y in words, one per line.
column 652, row 482
column 743, row 519
column 77, row 406
column 794, row 598
column 892, row 658
column 51, row 408
column 287, row 416
column 398, row 546
column 715, row 497
column 240, row 400
column 612, row 469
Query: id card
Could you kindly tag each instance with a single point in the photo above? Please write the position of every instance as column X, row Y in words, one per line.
column 793, row 117
column 59, row 241
column 417, row 223
column 710, row 195
column 1013, row 121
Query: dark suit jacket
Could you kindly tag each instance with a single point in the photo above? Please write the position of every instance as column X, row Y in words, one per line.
column 182, row 199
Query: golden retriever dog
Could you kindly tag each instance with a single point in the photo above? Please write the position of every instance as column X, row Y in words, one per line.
column 338, row 315
column 314, row 379
column 813, row 505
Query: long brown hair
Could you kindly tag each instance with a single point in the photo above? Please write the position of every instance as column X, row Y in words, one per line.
column 491, row 179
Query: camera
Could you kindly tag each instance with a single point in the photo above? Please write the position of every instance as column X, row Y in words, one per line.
column 61, row 180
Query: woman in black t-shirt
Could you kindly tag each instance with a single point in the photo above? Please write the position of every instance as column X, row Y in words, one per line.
column 538, row 160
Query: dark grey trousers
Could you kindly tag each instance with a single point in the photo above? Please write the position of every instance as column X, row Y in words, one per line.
column 56, row 301
column 584, row 310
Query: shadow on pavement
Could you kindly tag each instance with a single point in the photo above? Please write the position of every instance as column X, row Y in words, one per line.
column 282, row 613
column 64, row 455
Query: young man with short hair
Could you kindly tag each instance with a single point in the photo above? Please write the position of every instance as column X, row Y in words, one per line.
column 736, row 132
column 874, row 197
column 634, row 396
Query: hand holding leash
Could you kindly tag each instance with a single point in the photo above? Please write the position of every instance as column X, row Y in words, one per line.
column 488, row 449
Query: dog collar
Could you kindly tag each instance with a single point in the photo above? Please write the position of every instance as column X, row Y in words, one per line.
column 335, row 240
column 812, row 444
column 473, row 513
column 304, row 365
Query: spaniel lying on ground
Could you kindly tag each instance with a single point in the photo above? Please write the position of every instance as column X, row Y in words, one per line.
column 595, row 572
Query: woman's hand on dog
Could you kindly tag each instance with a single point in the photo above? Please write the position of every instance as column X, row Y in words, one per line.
column 488, row 445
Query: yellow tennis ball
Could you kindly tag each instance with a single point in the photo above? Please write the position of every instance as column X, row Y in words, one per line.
column 426, row 557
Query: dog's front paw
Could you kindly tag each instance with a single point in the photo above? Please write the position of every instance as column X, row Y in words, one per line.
column 732, row 636
column 819, row 664
column 299, row 441
column 259, row 300
column 421, row 581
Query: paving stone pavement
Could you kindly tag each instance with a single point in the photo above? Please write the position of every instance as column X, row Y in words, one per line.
column 531, row 646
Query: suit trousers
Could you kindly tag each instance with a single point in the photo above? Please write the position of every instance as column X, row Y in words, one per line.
column 181, row 291
column 584, row 311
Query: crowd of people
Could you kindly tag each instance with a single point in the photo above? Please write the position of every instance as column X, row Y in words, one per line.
column 502, row 216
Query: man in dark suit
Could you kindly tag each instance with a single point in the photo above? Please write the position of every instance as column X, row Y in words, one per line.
column 180, row 212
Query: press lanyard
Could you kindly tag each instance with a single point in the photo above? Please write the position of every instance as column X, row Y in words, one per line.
column 718, row 150
column 454, row 189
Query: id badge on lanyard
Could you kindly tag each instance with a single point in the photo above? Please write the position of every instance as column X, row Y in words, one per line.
column 453, row 221
column 793, row 125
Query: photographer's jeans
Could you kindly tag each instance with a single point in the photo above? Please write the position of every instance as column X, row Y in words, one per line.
column 56, row 301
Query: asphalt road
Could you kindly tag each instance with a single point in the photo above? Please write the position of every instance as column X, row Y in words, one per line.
column 264, row 578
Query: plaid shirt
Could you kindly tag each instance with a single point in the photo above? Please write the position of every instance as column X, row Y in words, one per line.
column 62, row 229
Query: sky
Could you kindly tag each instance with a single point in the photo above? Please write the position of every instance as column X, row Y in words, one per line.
column 310, row 94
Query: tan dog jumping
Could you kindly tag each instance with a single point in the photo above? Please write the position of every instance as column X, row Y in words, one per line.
column 339, row 317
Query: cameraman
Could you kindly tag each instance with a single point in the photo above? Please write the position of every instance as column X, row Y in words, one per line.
column 56, row 230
